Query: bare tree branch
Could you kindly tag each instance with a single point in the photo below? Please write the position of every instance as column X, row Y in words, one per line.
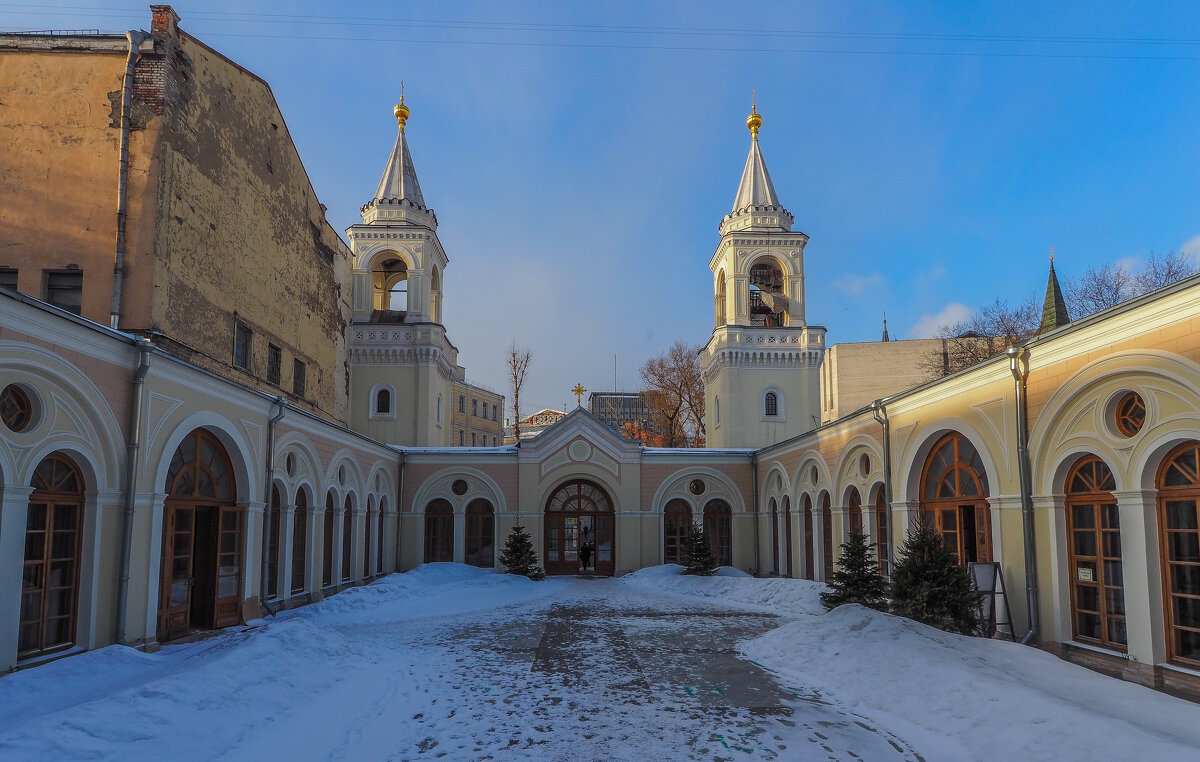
column 518, row 365
column 674, row 392
column 1164, row 269
column 987, row 333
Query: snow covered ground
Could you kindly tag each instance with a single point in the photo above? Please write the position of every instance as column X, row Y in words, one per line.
column 451, row 662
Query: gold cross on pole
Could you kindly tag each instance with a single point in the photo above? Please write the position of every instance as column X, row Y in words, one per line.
column 1051, row 253
column 579, row 391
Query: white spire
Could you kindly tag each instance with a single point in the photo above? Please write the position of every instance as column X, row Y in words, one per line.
column 756, row 188
column 399, row 179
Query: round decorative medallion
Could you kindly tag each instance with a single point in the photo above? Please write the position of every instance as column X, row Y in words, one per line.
column 864, row 464
column 459, row 487
column 696, row 486
column 579, row 450
column 1131, row 414
column 16, row 408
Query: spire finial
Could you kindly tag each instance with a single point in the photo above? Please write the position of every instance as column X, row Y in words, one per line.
column 1051, row 256
column 754, row 121
column 401, row 111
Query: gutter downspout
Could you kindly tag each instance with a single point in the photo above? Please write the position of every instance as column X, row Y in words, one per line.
column 131, row 468
column 757, row 529
column 1018, row 363
column 270, row 474
column 880, row 412
column 135, row 39
column 399, row 506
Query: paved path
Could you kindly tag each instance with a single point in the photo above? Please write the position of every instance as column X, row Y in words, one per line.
column 610, row 673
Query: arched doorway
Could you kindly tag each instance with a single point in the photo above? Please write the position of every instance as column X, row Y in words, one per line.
column 577, row 512
column 369, row 519
column 439, row 532
column 826, row 538
column 379, row 536
column 954, row 491
column 677, row 519
column 480, row 541
column 1094, row 553
column 774, row 537
column 299, row 542
column 854, row 510
column 50, row 581
column 202, row 540
column 787, row 533
column 274, row 533
column 881, row 530
column 718, row 527
column 1179, row 534
column 347, row 539
column 810, row 571
column 327, row 540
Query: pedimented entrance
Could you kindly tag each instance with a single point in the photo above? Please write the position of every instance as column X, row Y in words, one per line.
column 577, row 512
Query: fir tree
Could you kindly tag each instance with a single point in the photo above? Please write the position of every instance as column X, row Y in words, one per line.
column 857, row 577
column 698, row 557
column 930, row 586
column 518, row 555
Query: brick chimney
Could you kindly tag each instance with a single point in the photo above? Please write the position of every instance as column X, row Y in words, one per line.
column 165, row 21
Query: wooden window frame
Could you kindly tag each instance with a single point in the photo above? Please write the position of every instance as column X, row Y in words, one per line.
column 854, row 513
column 16, row 408
column 328, row 528
column 274, row 364
column 718, row 526
column 935, row 510
column 439, row 531
column 827, row 564
column 1097, row 499
column 882, row 527
column 1183, row 493
column 1130, row 414
column 52, row 288
column 52, row 497
column 480, row 534
column 243, row 339
column 677, row 518
column 299, row 583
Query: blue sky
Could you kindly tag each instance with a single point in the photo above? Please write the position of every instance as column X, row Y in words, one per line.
column 933, row 152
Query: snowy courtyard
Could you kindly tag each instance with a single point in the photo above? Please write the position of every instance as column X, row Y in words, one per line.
column 456, row 663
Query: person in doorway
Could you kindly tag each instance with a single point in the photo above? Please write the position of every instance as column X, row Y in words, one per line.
column 585, row 555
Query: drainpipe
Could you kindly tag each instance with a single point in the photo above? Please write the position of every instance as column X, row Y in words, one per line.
column 1018, row 363
column 399, row 505
column 754, row 493
column 880, row 412
column 135, row 37
column 135, row 444
column 270, row 474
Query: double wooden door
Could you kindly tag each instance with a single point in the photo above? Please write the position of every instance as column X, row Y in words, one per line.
column 202, row 568
column 566, row 532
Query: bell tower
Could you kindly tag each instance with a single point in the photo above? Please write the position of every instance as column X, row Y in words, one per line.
column 761, row 367
column 402, row 363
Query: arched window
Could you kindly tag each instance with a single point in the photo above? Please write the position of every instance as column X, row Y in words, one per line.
column 774, row 537
column 389, row 275
column 826, row 538
column 854, row 511
column 1094, row 552
column 809, row 559
column 677, row 519
column 383, row 402
column 480, row 540
column 881, row 530
column 721, row 297
column 368, row 520
column 275, row 530
column 1179, row 534
column 439, row 532
column 770, row 404
column 327, row 540
column 768, row 302
column 380, row 535
column 347, row 540
column 954, row 491
column 202, row 540
column 299, row 542
column 50, row 580
column 717, row 405
column 718, row 526
column 787, row 533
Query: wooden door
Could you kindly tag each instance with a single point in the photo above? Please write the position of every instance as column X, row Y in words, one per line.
column 175, row 603
column 227, row 607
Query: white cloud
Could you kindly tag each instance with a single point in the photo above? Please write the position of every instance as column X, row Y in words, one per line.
column 1192, row 248
column 928, row 325
column 860, row 285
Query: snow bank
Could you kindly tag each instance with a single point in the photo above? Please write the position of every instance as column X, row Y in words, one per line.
column 785, row 597
column 956, row 697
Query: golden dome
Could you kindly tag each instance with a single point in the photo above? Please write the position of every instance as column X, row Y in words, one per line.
column 401, row 112
column 754, row 121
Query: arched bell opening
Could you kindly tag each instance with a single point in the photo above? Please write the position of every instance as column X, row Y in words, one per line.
column 768, row 294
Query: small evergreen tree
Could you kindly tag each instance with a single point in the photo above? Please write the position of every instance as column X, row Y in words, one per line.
column 518, row 555
column 698, row 557
column 857, row 577
column 930, row 586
